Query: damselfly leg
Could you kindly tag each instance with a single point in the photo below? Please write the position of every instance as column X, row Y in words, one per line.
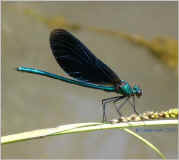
column 109, row 100
column 120, row 106
column 133, row 104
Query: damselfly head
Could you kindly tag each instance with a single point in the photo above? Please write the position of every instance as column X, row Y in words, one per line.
column 137, row 91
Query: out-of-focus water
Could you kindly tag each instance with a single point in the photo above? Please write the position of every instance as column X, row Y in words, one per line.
column 32, row 102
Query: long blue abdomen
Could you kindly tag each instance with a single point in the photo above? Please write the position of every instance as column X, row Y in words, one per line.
column 72, row 81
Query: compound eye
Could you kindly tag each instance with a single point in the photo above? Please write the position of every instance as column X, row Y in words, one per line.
column 139, row 93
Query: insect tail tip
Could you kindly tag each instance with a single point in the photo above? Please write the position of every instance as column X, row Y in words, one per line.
column 17, row 68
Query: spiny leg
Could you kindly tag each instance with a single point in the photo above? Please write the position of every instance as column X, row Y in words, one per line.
column 120, row 106
column 133, row 105
column 108, row 100
column 104, row 102
column 117, row 110
column 133, row 98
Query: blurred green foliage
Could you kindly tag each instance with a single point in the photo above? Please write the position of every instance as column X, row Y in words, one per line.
column 165, row 49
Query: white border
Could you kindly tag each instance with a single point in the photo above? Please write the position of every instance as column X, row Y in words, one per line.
column 0, row 70
column 82, row 1
column 89, row 0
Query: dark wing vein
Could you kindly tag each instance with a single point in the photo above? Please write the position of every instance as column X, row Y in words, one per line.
column 78, row 61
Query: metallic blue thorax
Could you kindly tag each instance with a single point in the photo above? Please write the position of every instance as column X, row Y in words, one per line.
column 127, row 90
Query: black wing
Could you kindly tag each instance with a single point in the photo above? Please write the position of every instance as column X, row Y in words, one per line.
column 77, row 60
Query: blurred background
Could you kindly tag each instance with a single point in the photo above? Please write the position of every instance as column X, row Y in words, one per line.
column 138, row 40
